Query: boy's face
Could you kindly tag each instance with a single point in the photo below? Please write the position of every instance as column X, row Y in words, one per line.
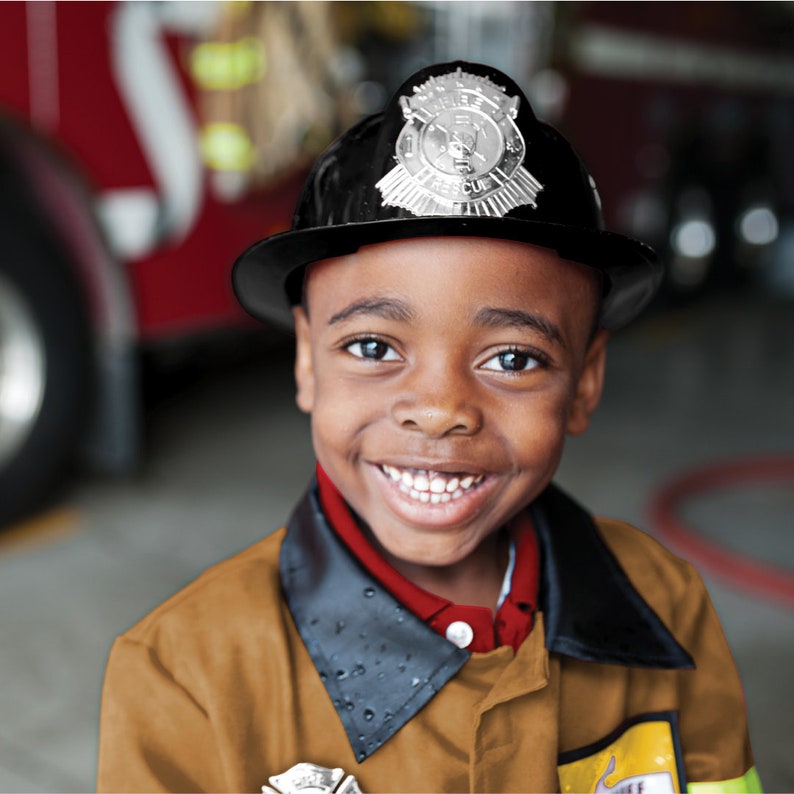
column 442, row 375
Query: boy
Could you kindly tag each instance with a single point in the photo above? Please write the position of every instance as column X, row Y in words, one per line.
column 437, row 616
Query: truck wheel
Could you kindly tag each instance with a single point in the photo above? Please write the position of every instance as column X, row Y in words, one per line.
column 45, row 366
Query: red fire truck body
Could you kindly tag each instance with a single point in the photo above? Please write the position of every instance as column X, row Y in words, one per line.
column 108, row 198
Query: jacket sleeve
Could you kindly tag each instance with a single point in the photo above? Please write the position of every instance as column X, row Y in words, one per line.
column 154, row 735
column 712, row 716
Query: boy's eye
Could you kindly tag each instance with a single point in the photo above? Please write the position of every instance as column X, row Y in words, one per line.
column 512, row 361
column 373, row 349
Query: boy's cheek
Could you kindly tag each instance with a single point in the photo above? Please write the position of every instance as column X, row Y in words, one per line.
column 339, row 423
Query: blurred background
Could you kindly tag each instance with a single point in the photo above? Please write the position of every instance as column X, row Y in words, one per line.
column 147, row 428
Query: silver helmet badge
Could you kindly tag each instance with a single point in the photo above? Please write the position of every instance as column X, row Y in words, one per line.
column 460, row 151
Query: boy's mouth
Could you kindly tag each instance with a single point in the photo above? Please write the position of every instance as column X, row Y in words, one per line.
column 433, row 487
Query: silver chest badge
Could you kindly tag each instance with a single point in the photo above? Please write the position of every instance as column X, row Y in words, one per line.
column 312, row 779
column 460, row 151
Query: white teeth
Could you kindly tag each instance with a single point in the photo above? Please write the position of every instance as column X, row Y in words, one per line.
column 421, row 483
column 431, row 486
column 438, row 485
column 395, row 474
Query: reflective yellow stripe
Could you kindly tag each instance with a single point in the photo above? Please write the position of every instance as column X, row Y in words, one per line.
column 226, row 147
column 227, row 66
column 739, row 785
column 641, row 757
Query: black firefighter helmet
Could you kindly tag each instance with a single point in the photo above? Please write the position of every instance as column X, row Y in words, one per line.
column 457, row 151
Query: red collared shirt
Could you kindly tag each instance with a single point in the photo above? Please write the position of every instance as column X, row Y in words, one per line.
column 472, row 625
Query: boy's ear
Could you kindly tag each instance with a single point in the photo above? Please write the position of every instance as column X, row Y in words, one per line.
column 591, row 382
column 304, row 366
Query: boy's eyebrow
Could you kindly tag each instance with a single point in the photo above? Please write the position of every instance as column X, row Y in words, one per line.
column 518, row 318
column 388, row 308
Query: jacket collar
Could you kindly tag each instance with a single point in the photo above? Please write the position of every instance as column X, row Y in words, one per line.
column 591, row 609
column 380, row 664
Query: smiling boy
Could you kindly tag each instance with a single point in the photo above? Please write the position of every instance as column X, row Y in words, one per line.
column 442, row 376
column 437, row 615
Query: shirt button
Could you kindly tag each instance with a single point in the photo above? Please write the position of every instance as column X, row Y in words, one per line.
column 460, row 634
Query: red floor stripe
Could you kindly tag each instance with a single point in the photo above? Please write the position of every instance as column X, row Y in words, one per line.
column 741, row 570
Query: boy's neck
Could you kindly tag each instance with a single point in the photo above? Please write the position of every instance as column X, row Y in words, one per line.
column 475, row 580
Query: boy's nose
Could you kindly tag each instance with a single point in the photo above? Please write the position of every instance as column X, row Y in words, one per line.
column 438, row 413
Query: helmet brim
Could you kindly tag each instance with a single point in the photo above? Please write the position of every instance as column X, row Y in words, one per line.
column 267, row 277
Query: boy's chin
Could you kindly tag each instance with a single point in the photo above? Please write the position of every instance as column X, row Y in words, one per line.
column 426, row 548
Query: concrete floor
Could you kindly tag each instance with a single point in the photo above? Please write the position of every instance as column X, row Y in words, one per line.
column 228, row 453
